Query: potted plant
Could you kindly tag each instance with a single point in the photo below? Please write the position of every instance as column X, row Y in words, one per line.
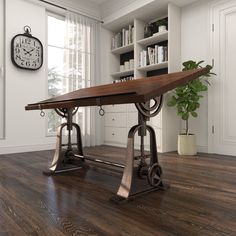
column 162, row 24
column 186, row 100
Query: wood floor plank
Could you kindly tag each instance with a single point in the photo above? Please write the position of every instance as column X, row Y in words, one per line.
column 201, row 199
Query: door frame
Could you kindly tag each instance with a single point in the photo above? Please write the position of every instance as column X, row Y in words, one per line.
column 2, row 72
column 213, row 99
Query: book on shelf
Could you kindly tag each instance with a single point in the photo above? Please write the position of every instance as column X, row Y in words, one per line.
column 123, row 38
column 153, row 55
column 162, row 52
column 156, row 54
column 143, row 58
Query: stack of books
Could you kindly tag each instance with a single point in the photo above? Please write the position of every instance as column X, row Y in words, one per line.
column 123, row 38
column 153, row 55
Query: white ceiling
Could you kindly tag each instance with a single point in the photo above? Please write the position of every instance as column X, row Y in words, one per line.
column 180, row 3
column 99, row 2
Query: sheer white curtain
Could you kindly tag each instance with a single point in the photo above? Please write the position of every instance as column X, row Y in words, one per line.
column 81, row 67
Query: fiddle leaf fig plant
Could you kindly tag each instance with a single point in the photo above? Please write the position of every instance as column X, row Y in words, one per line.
column 186, row 98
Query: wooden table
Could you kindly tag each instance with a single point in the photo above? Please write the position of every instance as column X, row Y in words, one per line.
column 135, row 181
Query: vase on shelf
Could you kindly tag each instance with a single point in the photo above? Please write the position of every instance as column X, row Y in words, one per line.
column 148, row 30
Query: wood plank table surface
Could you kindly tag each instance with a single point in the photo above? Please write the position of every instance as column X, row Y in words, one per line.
column 135, row 91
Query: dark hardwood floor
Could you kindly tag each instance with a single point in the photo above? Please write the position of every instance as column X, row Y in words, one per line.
column 201, row 199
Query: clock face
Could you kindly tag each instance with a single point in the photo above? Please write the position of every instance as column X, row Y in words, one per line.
column 27, row 52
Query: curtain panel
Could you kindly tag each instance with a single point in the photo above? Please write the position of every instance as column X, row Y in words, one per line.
column 80, row 67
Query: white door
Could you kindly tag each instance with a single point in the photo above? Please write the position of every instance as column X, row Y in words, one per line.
column 222, row 93
column 1, row 68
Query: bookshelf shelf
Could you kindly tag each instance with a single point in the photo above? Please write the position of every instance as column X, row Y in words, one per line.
column 122, row 73
column 159, row 37
column 157, row 66
column 123, row 49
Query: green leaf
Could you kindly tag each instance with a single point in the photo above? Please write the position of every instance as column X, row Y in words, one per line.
column 172, row 102
column 185, row 116
column 200, row 62
column 194, row 114
column 204, row 88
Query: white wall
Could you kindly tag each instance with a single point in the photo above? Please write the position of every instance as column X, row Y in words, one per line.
column 195, row 33
column 25, row 131
column 1, row 69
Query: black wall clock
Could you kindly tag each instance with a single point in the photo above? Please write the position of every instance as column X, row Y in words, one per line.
column 26, row 51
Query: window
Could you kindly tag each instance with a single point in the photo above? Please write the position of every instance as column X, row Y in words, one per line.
column 72, row 62
column 60, row 79
column 56, row 36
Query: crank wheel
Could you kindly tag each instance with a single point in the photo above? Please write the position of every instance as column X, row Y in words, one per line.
column 154, row 175
column 142, row 171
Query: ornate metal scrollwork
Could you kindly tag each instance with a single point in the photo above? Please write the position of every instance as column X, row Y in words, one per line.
column 63, row 112
column 142, row 171
column 63, row 159
column 150, row 110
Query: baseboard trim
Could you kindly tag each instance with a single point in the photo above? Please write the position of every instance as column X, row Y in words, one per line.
column 202, row 148
column 26, row 148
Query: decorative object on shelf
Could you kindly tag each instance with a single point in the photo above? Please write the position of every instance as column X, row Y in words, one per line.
column 162, row 25
column 131, row 63
column 127, row 66
column 155, row 27
column 161, row 28
column 148, row 30
column 123, row 79
column 186, row 100
column 26, row 51
column 122, row 68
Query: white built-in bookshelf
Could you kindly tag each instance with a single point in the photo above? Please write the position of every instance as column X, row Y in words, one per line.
column 122, row 73
column 123, row 49
column 155, row 66
column 162, row 52
column 156, row 38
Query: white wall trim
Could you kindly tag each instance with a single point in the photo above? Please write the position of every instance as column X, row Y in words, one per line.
column 210, row 98
column 202, row 148
column 2, row 74
column 26, row 148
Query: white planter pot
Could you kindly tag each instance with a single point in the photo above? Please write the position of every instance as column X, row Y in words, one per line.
column 161, row 28
column 187, row 144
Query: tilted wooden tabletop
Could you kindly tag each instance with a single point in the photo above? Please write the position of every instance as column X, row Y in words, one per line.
column 135, row 91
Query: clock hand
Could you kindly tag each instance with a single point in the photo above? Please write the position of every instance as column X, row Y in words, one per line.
column 28, row 52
